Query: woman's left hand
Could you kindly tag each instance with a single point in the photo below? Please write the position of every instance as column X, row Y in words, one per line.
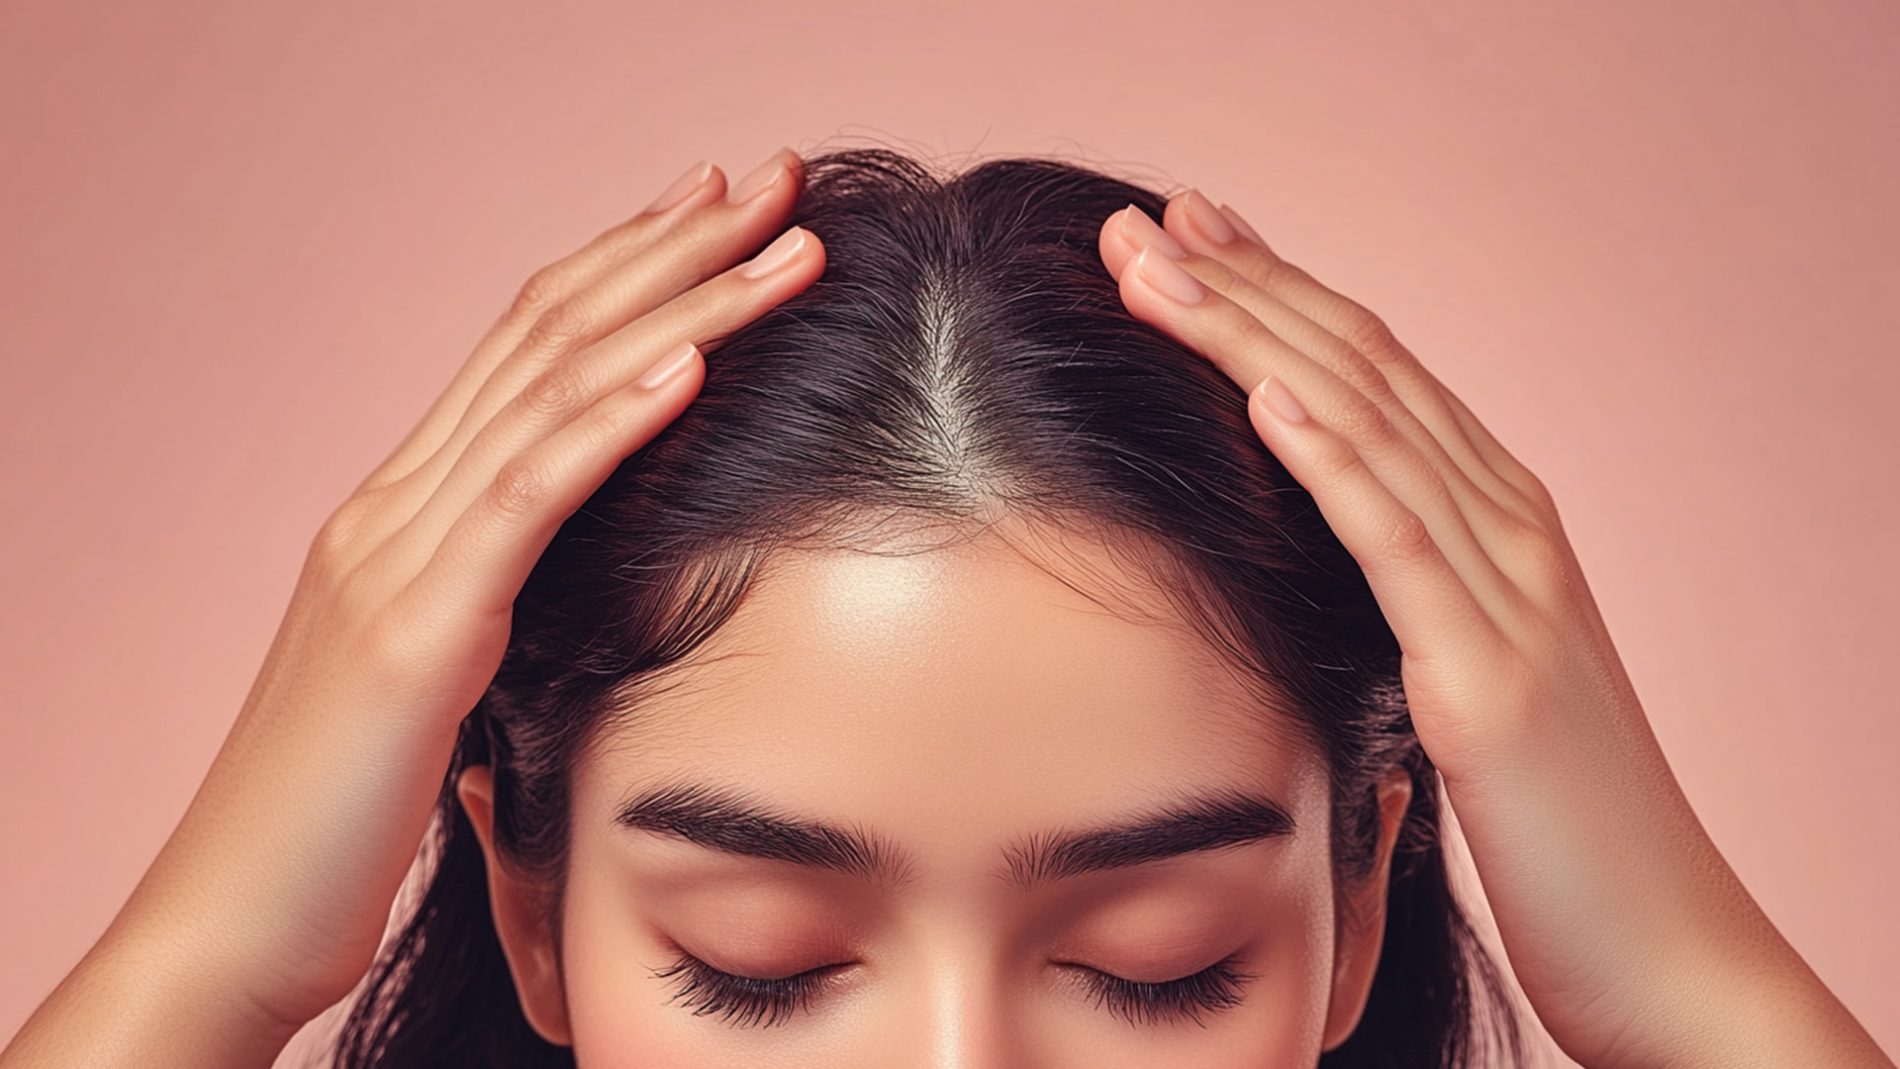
column 1632, row 938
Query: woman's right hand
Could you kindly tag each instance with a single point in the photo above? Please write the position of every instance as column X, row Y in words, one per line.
column 276, row 887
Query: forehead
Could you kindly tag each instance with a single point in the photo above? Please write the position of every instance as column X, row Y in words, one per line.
column 1021, row 673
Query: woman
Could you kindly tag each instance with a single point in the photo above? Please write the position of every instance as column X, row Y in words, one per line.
column 957, row 674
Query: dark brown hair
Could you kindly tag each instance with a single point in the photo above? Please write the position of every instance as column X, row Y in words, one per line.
column 964, row 354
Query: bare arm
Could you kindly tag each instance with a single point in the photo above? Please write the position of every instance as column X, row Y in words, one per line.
column 269, row 901
column 1635, row 942
column 134, row 999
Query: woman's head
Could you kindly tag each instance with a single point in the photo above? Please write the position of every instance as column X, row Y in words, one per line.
column 961, row 666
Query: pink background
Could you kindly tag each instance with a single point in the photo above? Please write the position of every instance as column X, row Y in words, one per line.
column 244, row 245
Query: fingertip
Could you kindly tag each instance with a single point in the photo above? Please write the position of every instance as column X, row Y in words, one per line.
column 1113, row 247
column 1174, row 220
column 1130, row 283
column 1257, row 411
column 1273, row 428
column 1241, row 225
column 809, row 264
column 1280, row 401
column 716, row 185
column 669, row 367
column 1195, row 222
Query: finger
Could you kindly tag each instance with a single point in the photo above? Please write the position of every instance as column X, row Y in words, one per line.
column 1232, row 269
column 1370, row 358
column 545, row 288
column 487, row 553
column 1361, row 331
column 687, row 253
column 1422, row 594
column 1159, row 290
column 703, row 315
column 1501, row 459
column 1242, row 226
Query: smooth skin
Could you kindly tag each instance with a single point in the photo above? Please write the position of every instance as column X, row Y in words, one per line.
column 1634, row 940
column 269, row 900
column 957, row 703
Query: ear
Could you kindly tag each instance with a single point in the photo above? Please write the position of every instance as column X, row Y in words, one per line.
column 521, row 919
column 1360, row 934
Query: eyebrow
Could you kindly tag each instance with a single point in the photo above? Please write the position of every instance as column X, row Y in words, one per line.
column 734, row 822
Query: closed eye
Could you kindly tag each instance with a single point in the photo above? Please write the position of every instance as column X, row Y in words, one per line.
column 748, row 1001
column 1218, row 987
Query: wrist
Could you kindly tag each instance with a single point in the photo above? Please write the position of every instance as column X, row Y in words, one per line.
column 1743, row 1004
column 142, row 1002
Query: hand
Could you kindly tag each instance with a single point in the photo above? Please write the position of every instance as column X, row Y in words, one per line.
column 277, row 885
column 1632, row 938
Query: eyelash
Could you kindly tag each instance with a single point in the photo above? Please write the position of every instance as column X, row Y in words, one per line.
column 742, row 1000
column 746, row 1000
column 1213, row 989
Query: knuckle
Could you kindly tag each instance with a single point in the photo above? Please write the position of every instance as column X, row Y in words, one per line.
column 1366, row 424
column 542, row 291
column 618, row 414
column 341, row 532
column 1543, row 560
column 520, row 487
column 1516, row 534
column 1405, row 538
column 1369, row 335
column 1539, row 493
column 560, row 327
column 1365, row 376
column 1339, row 462
column 556, row 393
column 360, row 593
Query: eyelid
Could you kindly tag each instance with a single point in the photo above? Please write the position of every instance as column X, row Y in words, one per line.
column 1220, row 986
column 743, row 1000
column 1083, row 966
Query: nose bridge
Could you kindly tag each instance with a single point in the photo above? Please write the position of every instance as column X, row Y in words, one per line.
column 967, row 1013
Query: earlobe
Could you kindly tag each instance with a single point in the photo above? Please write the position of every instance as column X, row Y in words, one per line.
column 1356, row 960
column 520, row 921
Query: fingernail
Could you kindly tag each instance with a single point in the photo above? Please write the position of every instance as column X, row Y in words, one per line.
column 1141, row 230
column 1207, row 219
column 1169, row 277
column 776, row 255
column 760, row 179
column 668, row 367
column 1280, row 400
column 682, row 187
column 1234, row 218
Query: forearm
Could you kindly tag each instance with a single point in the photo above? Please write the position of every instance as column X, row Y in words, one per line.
column 1669, row 952
column 1751, row 1004
column 141, row 1002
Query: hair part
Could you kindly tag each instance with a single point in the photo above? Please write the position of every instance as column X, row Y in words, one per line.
column 965, row 358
